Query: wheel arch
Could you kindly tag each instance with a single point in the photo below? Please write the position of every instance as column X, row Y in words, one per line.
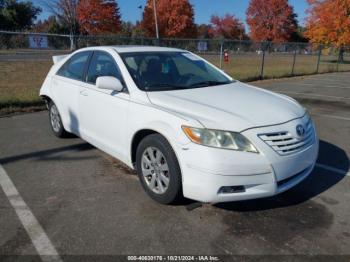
column 136, row 140
column 47, row 100
column 142, row 133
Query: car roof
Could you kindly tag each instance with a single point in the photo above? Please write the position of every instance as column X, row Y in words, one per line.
column 126, row 49
column 131, row 48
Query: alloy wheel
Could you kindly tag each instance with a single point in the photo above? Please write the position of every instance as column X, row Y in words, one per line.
column 155, row 170
column 55, row 118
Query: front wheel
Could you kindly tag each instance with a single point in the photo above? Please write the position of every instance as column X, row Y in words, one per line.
column 158, row 169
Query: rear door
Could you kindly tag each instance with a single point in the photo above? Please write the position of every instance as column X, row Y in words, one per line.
column 66, row 85
column 103, row 113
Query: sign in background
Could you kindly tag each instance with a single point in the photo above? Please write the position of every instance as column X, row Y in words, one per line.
column 38, row 41
column 202, row 46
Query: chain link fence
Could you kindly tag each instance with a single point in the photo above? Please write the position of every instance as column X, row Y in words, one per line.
column 25, row 58
column 247, row 60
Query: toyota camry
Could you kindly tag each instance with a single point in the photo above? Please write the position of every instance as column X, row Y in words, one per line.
column 186, row 127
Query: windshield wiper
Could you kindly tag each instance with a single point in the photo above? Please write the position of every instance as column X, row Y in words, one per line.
column 165, row 86
column 162, row 86
column 209, row 83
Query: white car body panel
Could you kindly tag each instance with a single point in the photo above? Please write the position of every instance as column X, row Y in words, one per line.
column 58, row 58
column 109, row 120
column 68, row 107
column 236, row 106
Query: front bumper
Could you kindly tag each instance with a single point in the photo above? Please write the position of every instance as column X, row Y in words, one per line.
column 206, row 170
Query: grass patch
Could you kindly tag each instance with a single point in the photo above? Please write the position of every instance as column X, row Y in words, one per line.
column 247, row 67
column 20, row 81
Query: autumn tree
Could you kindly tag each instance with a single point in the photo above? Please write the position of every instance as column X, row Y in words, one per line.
column 98, row 16
column 329, row 23
column 227, row 26
column 175, row 18
column 271, row 20
column 204, row 31
column 299, row 35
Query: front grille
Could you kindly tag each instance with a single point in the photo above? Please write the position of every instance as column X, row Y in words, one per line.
column 284, row 143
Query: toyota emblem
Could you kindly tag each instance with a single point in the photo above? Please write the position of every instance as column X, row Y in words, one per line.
column 300, row 130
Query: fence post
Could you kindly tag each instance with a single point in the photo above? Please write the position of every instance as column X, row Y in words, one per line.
column 262, row 61
column 318, row 58
column 294, row 58
column 338, row 61
column 339, row 57
column 221, row 52
column 72, row 43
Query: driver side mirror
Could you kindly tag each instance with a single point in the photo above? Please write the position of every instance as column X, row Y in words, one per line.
column 109, row 83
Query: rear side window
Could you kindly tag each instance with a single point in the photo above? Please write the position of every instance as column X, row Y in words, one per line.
column 102, row 64
column 74, row 67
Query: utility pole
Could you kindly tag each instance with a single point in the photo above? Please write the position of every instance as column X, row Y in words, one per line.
column 155, row 18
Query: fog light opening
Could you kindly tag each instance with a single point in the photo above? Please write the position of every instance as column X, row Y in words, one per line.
column 231, row 189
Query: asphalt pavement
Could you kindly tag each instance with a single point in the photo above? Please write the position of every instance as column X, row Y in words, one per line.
column 88, row 203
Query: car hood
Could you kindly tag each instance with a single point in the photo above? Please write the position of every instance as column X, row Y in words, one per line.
column 233, row 107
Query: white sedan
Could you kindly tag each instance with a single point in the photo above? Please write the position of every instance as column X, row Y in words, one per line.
column 187, row 128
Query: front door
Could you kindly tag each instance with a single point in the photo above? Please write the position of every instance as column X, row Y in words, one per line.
column 103, row 113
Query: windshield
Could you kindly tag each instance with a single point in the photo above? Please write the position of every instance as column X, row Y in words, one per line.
column 160, row 71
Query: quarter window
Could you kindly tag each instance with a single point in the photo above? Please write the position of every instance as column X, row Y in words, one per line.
column 74, row 67
column 102, row 64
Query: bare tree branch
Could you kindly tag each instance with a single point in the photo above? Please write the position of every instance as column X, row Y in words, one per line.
column 64, row 10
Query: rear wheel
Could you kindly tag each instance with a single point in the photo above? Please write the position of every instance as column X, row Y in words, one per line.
column 158, row 169
column 56, row 121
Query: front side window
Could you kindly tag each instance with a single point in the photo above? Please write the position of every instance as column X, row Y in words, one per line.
column 102, row 64
column 74, row 67
column 158, row 71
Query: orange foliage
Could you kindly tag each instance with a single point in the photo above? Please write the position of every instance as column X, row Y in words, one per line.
column 271, row 20
column 175, row 18
column 98, row 16
column 227, row 26
column 329, row 22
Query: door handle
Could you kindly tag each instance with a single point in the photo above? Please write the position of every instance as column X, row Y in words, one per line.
column 84, row 93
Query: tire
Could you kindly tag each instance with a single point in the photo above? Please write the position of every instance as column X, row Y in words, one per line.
column 56, row 121
column 153, row 183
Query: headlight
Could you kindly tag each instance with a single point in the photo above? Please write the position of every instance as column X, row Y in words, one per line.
column 219, row 139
